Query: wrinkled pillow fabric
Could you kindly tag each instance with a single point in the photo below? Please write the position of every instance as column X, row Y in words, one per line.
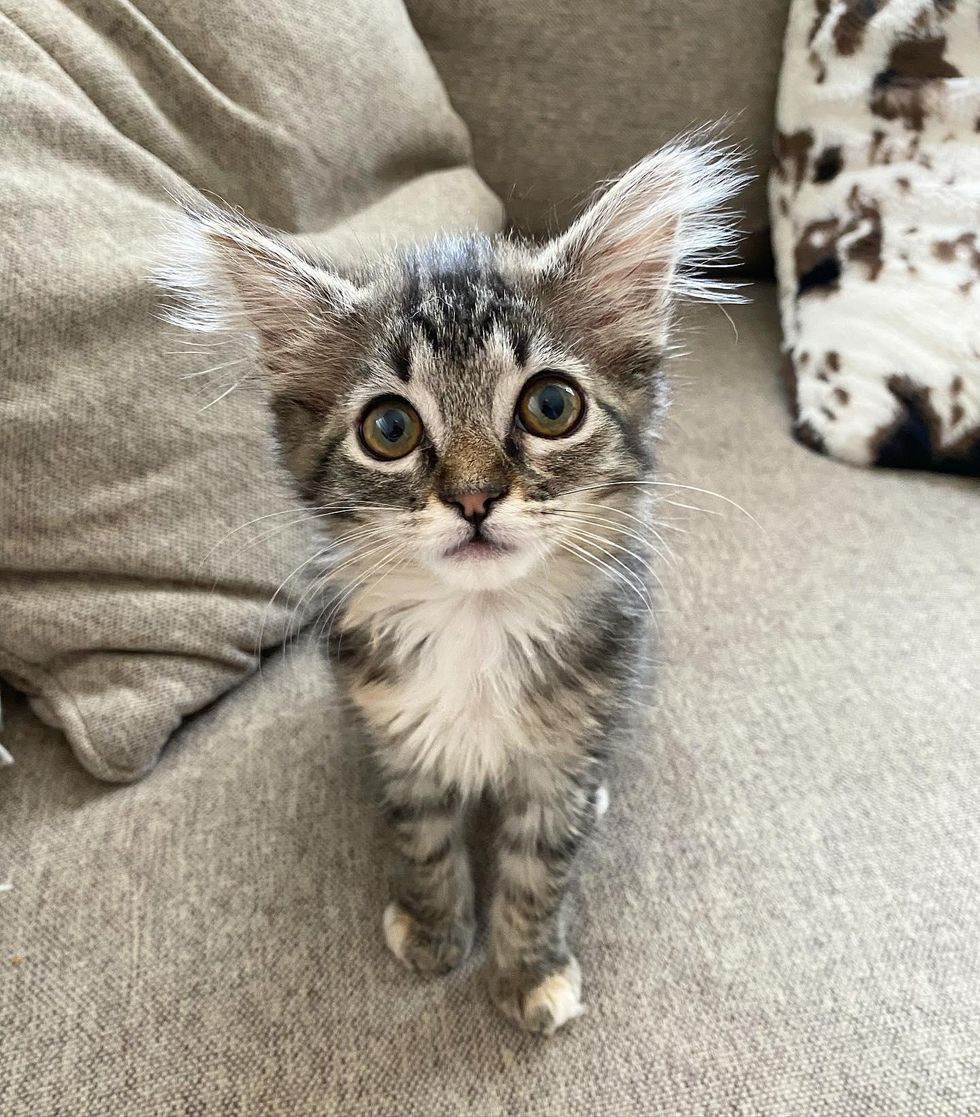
column 128, row 599
column 876, row 222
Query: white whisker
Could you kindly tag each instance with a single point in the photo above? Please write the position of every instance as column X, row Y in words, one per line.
column 591, row 518
column 219, row 398
column 653, row 529
column 692, row 507
column 216, row 368
column 312, row 513
column 600, row 543
column 344, row 594
column 326, row 576
column 588, row 535
column 668, row 485
column 632, row 583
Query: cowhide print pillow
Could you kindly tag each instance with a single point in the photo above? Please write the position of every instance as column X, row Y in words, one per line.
column 876, row 224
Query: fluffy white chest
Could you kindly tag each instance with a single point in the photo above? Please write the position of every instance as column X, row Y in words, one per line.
column 456, row 704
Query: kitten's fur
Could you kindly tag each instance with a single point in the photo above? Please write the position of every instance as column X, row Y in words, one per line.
column 505, row 673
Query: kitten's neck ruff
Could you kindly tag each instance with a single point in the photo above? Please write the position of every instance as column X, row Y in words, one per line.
column 459, row 666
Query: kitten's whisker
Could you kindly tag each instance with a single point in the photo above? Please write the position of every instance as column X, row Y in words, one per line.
column 296, row 620
column 323, row 579
column 349, row 537
column 397, row 554
column 247, row 547
column 215, row 368
column 345, row 593
column 262, row 537
column 731, row 321
column 591, row 519
column 669, row 485
column 282, row 585
column 591, row 560
column 242, row 527
column 632, row 583
column 219, row 398
column 692, row 507
column 672, row 527
column 622, row 512
column 278, row 529
column 358, row 531
column 596, row 541
column 320, row 512
column 582, row 539
column 588, row 535
column 315, row 513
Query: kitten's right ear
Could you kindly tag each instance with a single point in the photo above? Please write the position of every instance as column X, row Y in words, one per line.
column 231, row 275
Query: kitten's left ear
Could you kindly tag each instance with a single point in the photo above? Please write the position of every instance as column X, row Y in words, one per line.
column 643, row 242
column 230, row 275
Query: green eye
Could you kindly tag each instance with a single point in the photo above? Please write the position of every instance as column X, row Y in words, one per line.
column 550, row 406
column 390, row 429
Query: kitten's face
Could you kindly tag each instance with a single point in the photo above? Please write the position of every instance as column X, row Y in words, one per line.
column 474, row 406
column 478, row 432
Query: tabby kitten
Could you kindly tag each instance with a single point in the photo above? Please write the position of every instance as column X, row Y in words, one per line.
column 472, row 422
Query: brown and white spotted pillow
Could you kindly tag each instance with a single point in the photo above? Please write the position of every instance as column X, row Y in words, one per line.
column 876, row 225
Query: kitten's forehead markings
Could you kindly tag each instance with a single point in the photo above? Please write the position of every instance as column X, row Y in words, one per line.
column 506, row 376
column 422, row 390
column 455, row 294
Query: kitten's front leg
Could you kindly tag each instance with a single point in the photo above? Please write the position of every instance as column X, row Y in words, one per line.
column 534, row 979
column 429, row 923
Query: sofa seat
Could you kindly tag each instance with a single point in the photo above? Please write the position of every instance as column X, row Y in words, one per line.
column 780, row 917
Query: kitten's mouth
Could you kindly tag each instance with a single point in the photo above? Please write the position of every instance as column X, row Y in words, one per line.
column 476, row 549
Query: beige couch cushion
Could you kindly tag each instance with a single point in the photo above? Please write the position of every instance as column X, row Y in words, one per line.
column 559, row 94
column 779, row 917
column 115, row 480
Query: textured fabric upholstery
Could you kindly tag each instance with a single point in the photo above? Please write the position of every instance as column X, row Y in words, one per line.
column 779, row 917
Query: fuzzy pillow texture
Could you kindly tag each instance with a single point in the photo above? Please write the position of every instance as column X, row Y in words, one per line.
column 876, row 225
column 127, row 598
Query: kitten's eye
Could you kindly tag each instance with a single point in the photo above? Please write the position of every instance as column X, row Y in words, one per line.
column 550, row 406
column 390, row 428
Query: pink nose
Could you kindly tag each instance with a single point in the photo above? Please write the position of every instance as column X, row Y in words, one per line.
column 475, row 505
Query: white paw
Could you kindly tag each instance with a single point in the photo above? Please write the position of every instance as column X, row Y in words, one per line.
column 426, row 950
column 555, row 1001
column 545, row 1007
column 398, row 929
column 601, row 800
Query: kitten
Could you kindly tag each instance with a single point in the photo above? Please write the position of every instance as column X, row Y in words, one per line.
column 473, row 420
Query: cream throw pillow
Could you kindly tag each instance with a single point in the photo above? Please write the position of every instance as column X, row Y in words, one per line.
column 876, row 217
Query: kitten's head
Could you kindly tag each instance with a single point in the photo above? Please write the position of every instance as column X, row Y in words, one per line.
column 472, row 403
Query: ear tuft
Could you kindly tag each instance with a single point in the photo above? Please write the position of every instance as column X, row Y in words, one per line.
column 646, row 240
column 229, row 275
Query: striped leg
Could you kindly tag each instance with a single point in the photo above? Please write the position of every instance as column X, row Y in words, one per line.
column 429, row 923
column 534, row 979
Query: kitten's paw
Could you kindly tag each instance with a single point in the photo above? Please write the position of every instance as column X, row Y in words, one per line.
column 426, row 950
column 540, row 1006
